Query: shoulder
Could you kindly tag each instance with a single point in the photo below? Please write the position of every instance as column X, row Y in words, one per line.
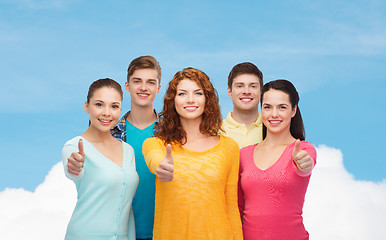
column 228, row 120
column 229, row 142
column 247, row 149
column 153, row 142
column 308, row 147
column 73, row 142
column 127, row 146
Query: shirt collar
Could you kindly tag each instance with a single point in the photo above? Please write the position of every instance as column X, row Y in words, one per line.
column 233, row 124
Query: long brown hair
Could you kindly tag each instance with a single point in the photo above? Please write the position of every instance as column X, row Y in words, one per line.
column 170, row 129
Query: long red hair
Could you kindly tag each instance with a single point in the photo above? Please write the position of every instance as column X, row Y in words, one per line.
column 170, row 129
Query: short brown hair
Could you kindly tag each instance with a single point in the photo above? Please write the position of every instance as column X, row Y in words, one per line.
column 245, row 68
column 144, row 62
column 170, row 129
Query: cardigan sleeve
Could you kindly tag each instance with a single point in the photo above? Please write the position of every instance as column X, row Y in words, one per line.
column 67, row 150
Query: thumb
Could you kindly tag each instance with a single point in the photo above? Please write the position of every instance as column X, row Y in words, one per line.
column 168, row 156
column 80, row 147
column 296, row 149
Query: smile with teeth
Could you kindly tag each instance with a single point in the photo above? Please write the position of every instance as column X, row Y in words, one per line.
column 246, row 99
column 143, row 94
column 105, row 122
column 190, row 108
column 275, row 122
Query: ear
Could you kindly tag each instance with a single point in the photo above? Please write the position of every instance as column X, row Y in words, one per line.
column 294, row 111
column 229, row 92
column 159, row 87
column 85, row 106
column 127, row 85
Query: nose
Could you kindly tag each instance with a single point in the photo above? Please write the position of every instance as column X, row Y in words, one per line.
column 190, row 98
column 246, row 90
column 143, row 86
column 106, row 111
column 275, row 112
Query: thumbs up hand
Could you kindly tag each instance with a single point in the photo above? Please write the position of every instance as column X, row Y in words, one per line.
column 166, row 168
column 301, row 158
column 76, row 160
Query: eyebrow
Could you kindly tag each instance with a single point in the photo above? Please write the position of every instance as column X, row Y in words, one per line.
column 97, row 100
column 184, row 90
column 150, row 79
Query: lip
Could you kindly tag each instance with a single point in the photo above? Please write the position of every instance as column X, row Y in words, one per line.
column 105, row 122
column 274, row 123
column 191, row 108
column 143, row 95
column 246, row 99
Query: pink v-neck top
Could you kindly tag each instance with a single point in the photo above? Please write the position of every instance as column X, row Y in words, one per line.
column 271, row 200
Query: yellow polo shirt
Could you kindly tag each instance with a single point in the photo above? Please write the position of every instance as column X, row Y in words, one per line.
column 240, row 133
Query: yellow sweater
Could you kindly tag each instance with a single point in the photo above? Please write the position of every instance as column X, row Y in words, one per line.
column 201, row 201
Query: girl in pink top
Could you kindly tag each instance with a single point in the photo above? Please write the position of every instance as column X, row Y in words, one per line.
column 274, row 174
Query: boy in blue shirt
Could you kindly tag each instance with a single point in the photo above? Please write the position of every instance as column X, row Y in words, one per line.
column 143, row 84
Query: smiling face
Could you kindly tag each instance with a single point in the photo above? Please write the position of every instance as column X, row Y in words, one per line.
column 277, row 111
column 143, row 86
column 245, row 93
column 104, row 108
column 189, row 100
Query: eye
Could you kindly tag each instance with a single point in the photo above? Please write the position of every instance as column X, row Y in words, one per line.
column 181, row 94
column 266, row 107
column 115, row 106
column 199, row 93
column 152, row 83
column 283, row 107
column 98, row 104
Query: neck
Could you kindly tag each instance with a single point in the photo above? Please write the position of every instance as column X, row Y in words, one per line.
column 94, row 135
column 141, row 117
column 246, row 117
column 278, row 138
column 192, row 129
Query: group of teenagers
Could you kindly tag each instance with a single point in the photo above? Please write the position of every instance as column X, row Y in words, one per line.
column 185, row 173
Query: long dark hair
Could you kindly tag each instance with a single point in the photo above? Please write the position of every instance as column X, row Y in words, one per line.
column 297, row 127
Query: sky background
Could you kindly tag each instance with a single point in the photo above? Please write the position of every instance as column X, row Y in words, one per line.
column 333, row 51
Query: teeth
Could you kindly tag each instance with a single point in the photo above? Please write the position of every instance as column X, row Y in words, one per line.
column 105, row 121
column 143, row 95
column 190, row 108
column 275, row 121
column 246, row 99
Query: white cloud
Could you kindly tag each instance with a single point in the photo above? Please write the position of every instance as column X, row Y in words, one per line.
column 337, row 206
column 42, row 214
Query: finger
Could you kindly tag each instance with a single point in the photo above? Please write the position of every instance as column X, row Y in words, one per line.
column 169, row 156
column 73, row 169
column 296, row 149
column 302, row 156
column 80, row 147
column 79, row 158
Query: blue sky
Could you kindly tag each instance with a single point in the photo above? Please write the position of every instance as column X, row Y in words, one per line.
column 51, row 51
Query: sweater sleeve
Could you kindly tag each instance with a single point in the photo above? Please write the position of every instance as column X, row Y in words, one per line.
column 67, row 150
column 310, row 149
column 231, row 191
column 154, row 152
